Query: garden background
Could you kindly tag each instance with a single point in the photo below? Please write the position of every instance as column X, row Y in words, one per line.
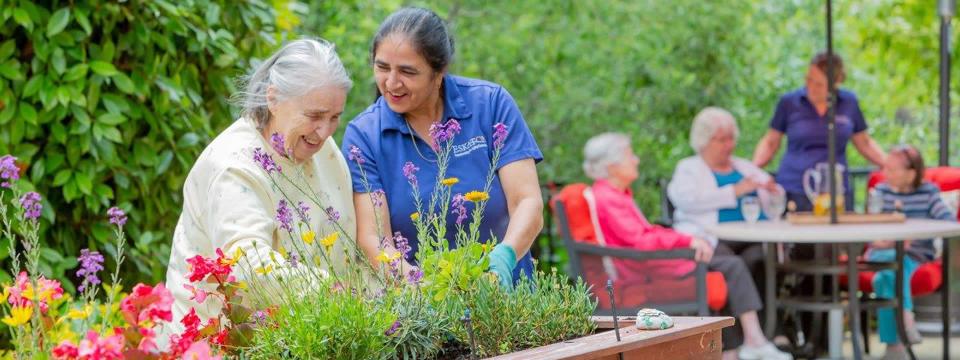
column 109, row 102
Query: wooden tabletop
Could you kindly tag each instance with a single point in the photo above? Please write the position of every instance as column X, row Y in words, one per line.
column 783, row 231
column 605, row 343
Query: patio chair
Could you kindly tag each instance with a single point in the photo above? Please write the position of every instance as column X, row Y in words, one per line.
column 591, row 260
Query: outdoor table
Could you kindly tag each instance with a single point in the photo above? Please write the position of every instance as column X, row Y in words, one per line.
column 852, row 235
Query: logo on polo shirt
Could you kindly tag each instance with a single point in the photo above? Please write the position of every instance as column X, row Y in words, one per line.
column 478, row 142
column 843, row 119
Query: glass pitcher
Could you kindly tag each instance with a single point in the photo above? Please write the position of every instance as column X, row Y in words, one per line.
column 817, row 187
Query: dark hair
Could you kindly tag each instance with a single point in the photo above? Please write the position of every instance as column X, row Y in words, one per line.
column 821, row 59
column 426, row 31
column 914, row 162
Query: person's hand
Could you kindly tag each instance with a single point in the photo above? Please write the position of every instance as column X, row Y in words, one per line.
column 745, row 186
column 703, row 251
column 503, row 259
column 882, row 244
column 772, row 187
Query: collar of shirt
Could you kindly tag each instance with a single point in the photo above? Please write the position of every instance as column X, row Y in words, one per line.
column 454, row 106
column 842, row 96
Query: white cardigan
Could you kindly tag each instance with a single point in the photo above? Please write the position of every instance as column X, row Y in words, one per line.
column 694, row 193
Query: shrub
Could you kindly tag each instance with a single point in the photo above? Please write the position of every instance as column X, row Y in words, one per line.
column 110, row 102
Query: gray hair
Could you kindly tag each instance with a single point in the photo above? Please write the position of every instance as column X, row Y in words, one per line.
column 297, row 68
column 602, row 151
column 706, row 124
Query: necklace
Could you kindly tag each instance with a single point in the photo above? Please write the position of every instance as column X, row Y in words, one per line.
column 415, row 146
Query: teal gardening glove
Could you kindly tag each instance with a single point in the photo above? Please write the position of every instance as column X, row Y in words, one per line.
column 502, row 262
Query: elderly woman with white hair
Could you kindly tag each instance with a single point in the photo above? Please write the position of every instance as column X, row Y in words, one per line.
column 708, row 188
column 610, row 161
column 290, row 109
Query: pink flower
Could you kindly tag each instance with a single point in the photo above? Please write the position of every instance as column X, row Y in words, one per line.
column 200, row 351
column 94, row 347
column 196, row 294
column 9, row 171
column 200, row 267
column 148, row 342
column 147, row 303
column 499, row 134
column 23, row 294
column 66, row 351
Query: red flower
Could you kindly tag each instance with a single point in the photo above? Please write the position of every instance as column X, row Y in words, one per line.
column 221, row 337
column 201, row 267
column 147, row 303
column 66, row 351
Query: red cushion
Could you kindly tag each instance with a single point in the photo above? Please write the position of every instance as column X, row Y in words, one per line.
column 659, row 291
column 578, row 212
column 925, row 280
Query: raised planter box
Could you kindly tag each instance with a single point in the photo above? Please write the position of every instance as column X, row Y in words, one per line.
column 689, row 338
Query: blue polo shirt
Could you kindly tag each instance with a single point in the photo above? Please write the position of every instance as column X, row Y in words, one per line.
column 387, row 143
column 806, row 133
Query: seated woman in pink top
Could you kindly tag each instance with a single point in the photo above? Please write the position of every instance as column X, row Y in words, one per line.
column 610, row 161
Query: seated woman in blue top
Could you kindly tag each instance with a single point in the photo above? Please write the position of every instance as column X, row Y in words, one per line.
column 411, row 53
column 801, row 115
column 904, row 190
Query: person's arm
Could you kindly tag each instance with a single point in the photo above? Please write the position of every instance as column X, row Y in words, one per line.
column 524, row 203
column 868, row 148
column 688, row 193
column 767, row 147
column 368, row 216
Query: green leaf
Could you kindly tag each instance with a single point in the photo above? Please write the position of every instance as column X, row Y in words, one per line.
column 77, row 72
column 165, row 159
column 59, row 61
column 7, row 49
column 28, row 113
column 188, row 140
column 124, row 83
column 11, row 70
column 81, row 17
column 7, row 113
column 84, row 183
column 62, row 177
column 111, row 119
column 21, row 17
column 32, row 86
column 103, row 68
column 58, row 21
column 112, row 134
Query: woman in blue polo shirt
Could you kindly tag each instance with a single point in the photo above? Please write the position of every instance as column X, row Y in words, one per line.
column 801, row 116
column 411, row 53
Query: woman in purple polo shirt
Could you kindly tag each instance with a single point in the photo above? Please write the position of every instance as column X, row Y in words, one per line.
column 411, row 53
column 801, row 115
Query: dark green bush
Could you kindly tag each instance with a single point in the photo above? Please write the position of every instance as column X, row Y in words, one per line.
column 110, row 102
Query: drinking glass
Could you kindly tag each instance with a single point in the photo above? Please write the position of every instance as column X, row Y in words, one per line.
column 750, row 207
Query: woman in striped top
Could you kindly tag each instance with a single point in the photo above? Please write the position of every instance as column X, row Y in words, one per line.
column 904, row 191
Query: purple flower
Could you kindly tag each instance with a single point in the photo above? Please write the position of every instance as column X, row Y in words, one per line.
column 117, row 216
column 259, row 316
column 393, row 328
column 9, row 172
column 377, row 196
column 332, row 214
column 294, row 260
column 280, row 146
column 402, row 244
column 410, row 172
column 459, row 208
column 303, row 211
column 444, row 132
column 284, row 217
column 30, row 202
column 355, row 155
column 265, row 161
column 414, row 276
column 91, row 262
column 499, row 134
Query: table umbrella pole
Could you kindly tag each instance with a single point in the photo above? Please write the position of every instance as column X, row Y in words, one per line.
column 831, row 117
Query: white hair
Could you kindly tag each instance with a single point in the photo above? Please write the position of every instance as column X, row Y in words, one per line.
column 706, row 124
column 297, row 68
column 602, row 151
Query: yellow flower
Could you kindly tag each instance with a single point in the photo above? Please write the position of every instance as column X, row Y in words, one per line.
column 283, row 253
column 329, row 240
column 449, row 181
column 6, row 293
column 19, row 315
column 308, row 237
column 415, row 216
column 239, row 253
column 386, row 258
column 476, row 196
column 265, row 270
column 242, row 285
column 79, row 314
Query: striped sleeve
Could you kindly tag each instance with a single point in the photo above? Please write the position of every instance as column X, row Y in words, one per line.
column 939, row 210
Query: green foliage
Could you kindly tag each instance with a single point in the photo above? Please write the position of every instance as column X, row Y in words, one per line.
column 325, row 326
column 111, row 102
